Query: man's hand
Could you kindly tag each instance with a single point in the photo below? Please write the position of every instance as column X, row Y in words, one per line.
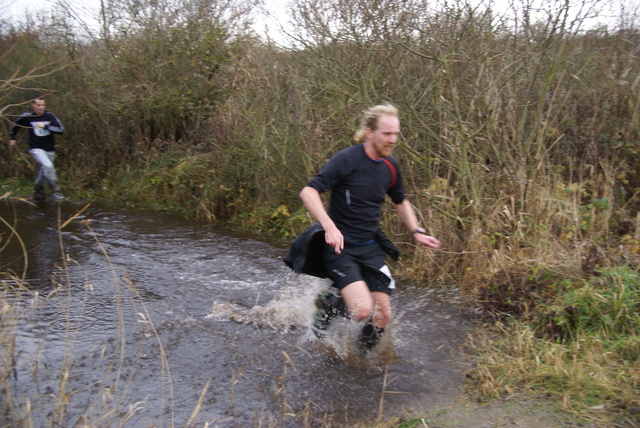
column 427, row 242
column 408, row 216
column 12, row 143
column 334, row 238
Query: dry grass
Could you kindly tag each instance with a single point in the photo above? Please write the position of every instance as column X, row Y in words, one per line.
column 585, row 357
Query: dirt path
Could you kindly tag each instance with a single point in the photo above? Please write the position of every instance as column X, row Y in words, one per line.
column 514, row 412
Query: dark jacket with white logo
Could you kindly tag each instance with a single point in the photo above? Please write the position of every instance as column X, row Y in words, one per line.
column 39, row 138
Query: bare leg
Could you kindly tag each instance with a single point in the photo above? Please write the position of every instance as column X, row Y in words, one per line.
column 359, row 300
column 381, row 309
column 364, row 305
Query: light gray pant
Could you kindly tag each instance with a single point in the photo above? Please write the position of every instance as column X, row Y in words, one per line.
column 47, row 173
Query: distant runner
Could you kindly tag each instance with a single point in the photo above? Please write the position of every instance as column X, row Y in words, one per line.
column 42, row 125
column 354, row 248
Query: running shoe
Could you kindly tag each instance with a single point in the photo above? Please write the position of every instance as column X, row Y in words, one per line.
column 369, row 337
column 328, row 307
column 38, row 193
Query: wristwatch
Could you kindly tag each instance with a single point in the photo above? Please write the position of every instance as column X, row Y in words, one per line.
column 420, row 230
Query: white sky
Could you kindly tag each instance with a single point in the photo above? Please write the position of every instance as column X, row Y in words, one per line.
column 87, row 9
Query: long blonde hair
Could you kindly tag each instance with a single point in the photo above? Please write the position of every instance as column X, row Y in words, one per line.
column 370, row 119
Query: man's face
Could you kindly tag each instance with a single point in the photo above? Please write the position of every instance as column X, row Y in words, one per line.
column 38, row 106
column 385, row 137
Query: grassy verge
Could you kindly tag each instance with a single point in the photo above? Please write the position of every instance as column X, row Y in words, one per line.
column 580, row 349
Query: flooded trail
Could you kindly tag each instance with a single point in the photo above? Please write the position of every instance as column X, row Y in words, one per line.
column 152, row 320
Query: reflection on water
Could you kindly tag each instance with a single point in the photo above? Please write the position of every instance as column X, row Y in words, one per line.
column 147, row 318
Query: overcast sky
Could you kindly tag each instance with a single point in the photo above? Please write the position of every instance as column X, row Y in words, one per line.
column 88, row 10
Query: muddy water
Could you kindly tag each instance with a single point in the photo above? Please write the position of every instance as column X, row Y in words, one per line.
column 151, row 320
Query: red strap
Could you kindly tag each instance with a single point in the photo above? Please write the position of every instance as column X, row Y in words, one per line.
column 394, row 175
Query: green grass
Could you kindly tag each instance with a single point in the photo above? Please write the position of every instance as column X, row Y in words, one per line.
column 583, row 352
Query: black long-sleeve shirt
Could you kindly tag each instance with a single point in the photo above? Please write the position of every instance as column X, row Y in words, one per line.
column 39, row 138
column 358, row 187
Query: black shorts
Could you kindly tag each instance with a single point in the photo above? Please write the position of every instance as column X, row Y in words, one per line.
column 359, row 263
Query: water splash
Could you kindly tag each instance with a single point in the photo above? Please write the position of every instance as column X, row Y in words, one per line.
column 290, row 310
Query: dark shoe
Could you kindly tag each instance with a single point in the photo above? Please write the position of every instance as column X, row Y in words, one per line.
column 38, row 193
column 328, row 307
column 369, row 337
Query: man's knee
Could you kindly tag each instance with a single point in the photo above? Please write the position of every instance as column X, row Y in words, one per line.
column 382, row 317
column 362, row 312
column 365, row 310
column 361, row 308
column 49, row 174
column 382, row 309
column 358, row 300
